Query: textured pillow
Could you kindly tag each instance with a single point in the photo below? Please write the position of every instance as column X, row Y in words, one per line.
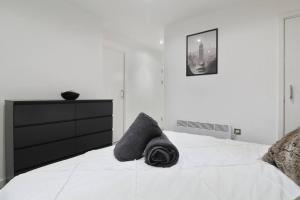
column 285, row 155
column 133, row 143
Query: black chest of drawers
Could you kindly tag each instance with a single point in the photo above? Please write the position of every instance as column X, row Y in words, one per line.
column 42, row 132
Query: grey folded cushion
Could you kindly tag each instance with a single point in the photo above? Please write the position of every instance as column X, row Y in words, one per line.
column 285, row 155
column 161, row 152
column 133, row 143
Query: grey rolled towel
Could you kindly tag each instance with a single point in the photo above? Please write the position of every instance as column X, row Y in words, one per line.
column 134, row 141
column 161, row 152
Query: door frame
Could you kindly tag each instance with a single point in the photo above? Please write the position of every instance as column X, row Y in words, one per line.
column 109, row 46
column 282, row 70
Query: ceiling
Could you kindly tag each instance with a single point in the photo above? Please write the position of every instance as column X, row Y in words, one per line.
column 144, row 20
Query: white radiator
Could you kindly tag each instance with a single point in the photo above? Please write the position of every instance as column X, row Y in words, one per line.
column 210, row 129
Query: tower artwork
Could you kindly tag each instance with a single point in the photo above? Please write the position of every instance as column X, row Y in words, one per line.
column 201, row 54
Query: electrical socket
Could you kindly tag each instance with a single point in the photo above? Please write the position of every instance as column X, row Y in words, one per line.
column 237, row 131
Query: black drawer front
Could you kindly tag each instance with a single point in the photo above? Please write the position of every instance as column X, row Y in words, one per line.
column 94, row 141
column 88, row 126
column 35, row 156
column 39, row 155
column 43, row 113
column 97, row 109
column 33, row 135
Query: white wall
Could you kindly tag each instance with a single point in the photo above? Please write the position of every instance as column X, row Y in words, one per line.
column 47, row 47
column 245, row 91
column 143, row 88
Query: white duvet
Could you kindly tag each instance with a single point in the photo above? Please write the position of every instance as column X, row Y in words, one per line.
column 208, row 169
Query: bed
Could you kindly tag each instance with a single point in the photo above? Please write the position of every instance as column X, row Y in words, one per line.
column 208, row 168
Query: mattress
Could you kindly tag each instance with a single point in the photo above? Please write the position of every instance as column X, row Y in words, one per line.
column 208, row 168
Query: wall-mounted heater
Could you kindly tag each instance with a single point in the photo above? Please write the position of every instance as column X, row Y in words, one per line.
column 210, row 129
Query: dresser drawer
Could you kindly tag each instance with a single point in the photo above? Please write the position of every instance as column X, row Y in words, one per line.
column 96, row 109
column 33, row 135
column 39, row 155
column 42, row 113
column 94, row 141
column 94, row 125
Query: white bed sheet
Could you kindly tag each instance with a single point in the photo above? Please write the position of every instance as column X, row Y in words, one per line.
column 208, row 169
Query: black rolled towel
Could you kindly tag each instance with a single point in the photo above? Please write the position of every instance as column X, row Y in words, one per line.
column 134, row 141
column 161, row 152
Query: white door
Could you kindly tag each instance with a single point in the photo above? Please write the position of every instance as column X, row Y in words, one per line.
column 113, row 75
column 292, row 74
column 144, row 86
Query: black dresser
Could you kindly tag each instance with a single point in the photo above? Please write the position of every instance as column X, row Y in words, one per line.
column 42, row 132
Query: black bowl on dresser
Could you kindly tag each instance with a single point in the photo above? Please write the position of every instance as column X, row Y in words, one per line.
column 70, row 95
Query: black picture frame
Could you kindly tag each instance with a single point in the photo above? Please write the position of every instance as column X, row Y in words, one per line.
column 206, row 62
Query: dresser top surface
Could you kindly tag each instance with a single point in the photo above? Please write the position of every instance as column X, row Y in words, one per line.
column 18, row 101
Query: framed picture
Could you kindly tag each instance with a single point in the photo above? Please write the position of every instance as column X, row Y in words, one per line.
column 202, row 53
